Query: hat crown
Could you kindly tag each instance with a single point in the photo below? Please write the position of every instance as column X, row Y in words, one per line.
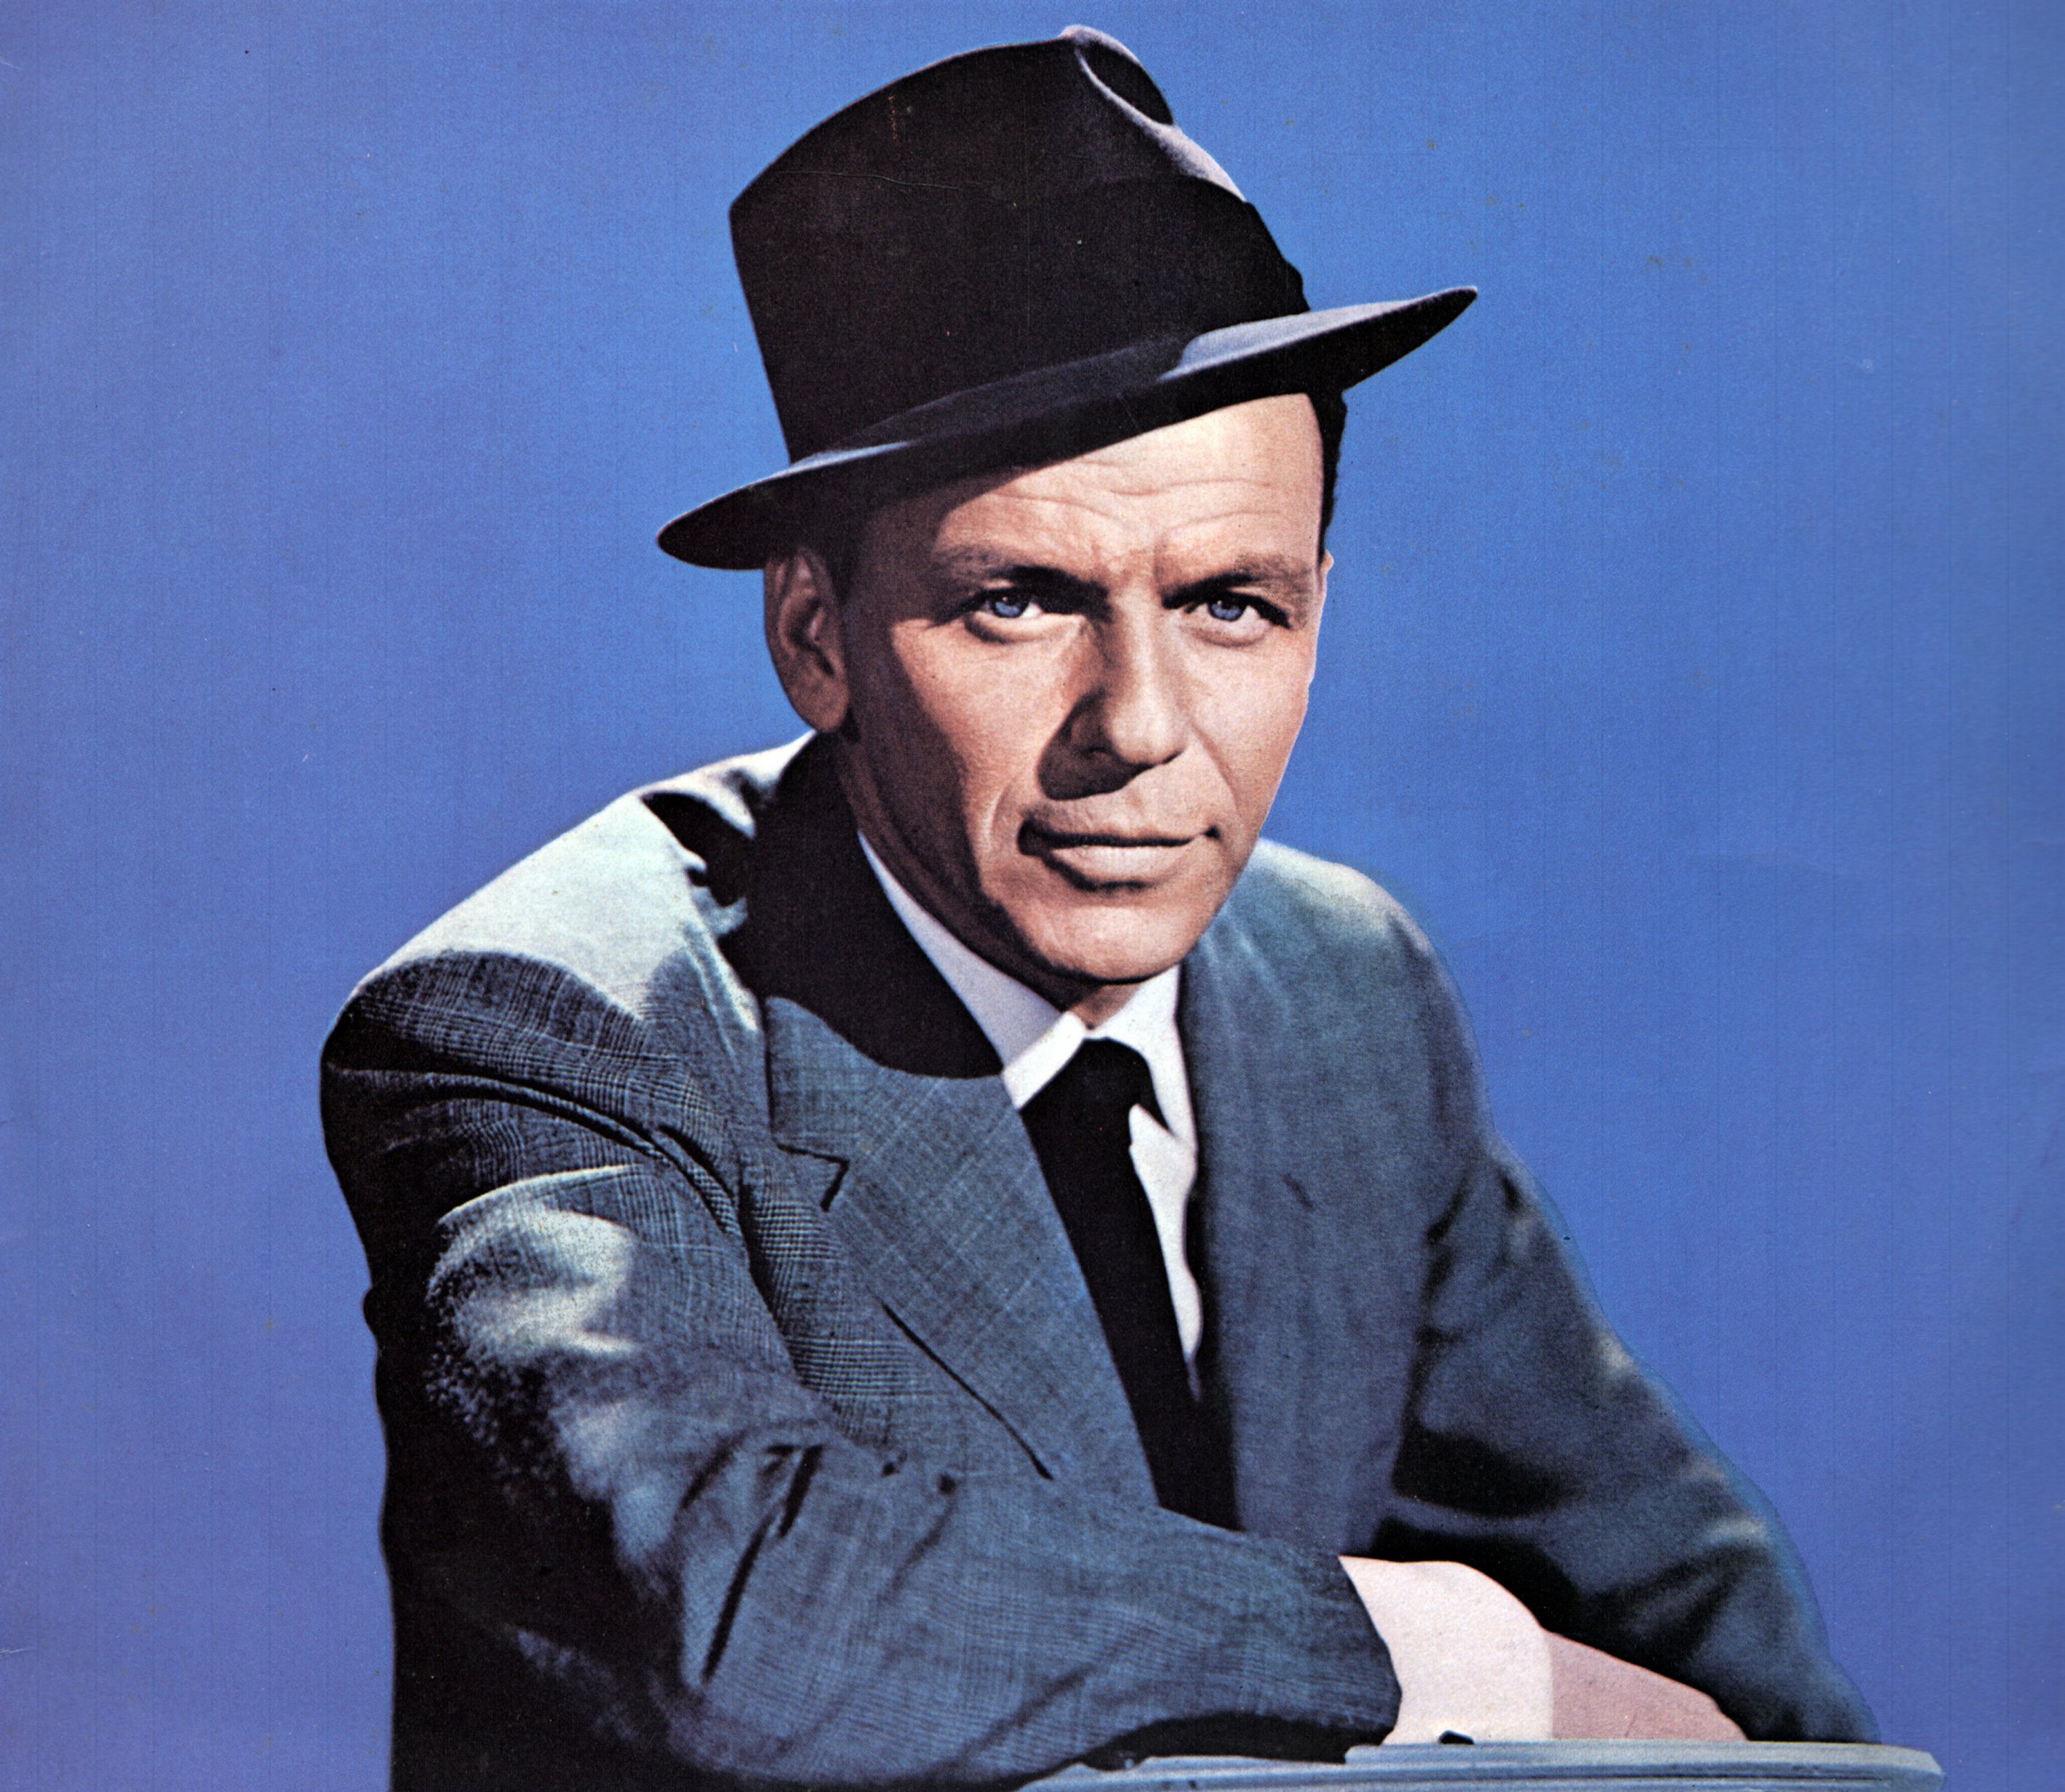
column 1005, row 210
column 1081, row 103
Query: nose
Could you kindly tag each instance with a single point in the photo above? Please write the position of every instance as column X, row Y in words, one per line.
column 1133, row 715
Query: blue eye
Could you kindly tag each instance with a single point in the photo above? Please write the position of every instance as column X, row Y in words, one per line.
column 1227, row 609
column 1008, row 605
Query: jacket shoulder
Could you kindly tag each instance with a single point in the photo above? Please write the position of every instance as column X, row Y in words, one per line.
column 600, row 932
column 1331, row 956
column 1310, row 914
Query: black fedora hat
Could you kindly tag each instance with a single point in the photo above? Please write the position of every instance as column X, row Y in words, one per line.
column 1006, row 257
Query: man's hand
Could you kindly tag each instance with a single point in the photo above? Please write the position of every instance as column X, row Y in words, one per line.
column 1471, row 1659
column 1468, row 1655
column 1596, row 1696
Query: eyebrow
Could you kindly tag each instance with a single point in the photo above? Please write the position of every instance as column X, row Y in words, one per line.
column 974, row 566
column 1265, row 575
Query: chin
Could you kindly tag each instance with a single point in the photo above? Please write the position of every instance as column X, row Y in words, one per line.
column 1106, row 942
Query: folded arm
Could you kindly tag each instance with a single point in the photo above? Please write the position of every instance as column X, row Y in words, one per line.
column 1538, row 1451
column 610, row 1485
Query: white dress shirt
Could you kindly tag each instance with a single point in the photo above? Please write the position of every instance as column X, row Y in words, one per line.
column 1035, row 1040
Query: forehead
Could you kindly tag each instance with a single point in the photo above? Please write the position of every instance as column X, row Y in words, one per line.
column 1244, row 479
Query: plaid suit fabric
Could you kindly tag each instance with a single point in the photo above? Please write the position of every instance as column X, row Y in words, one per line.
column 747, row 1416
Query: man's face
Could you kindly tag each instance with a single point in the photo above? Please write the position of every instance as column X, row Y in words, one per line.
column 1070, row 692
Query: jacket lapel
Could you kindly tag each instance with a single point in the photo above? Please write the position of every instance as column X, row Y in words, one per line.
column 937, row 1196
column 1281, row 1235
column 884, row 1092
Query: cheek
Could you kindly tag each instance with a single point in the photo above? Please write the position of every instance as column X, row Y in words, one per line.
column 1256, row 711
column 960, row 725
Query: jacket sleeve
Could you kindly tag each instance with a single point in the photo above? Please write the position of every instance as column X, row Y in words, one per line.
column 1536, row 1449
column 616, row 1513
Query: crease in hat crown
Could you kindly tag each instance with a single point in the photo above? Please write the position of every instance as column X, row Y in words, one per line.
column 1012, row 252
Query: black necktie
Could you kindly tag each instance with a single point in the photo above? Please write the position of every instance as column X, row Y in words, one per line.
column 1081, row 1127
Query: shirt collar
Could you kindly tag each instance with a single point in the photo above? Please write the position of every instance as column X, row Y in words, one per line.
column 1033, row 1037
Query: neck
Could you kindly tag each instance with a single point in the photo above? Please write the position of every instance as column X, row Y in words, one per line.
column 1100, row 1003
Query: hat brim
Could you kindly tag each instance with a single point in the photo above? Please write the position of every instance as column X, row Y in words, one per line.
column 1056, row 412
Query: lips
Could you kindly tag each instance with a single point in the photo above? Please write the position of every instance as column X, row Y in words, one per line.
column 1103, row 858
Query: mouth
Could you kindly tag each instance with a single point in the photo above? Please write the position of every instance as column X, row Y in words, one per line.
column 1103, row 859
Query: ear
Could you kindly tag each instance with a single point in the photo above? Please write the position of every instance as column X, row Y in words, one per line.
column 801, row 614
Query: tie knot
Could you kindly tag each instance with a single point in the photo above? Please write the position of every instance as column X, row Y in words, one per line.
column 1099, row 1087
column 1112, row 1076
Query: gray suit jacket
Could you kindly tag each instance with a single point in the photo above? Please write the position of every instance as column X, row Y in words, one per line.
column 748, row 1421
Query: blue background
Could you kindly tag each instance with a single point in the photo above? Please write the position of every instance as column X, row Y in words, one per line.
column 1694, row 671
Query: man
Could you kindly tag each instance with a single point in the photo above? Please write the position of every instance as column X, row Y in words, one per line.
column 933, row 1254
